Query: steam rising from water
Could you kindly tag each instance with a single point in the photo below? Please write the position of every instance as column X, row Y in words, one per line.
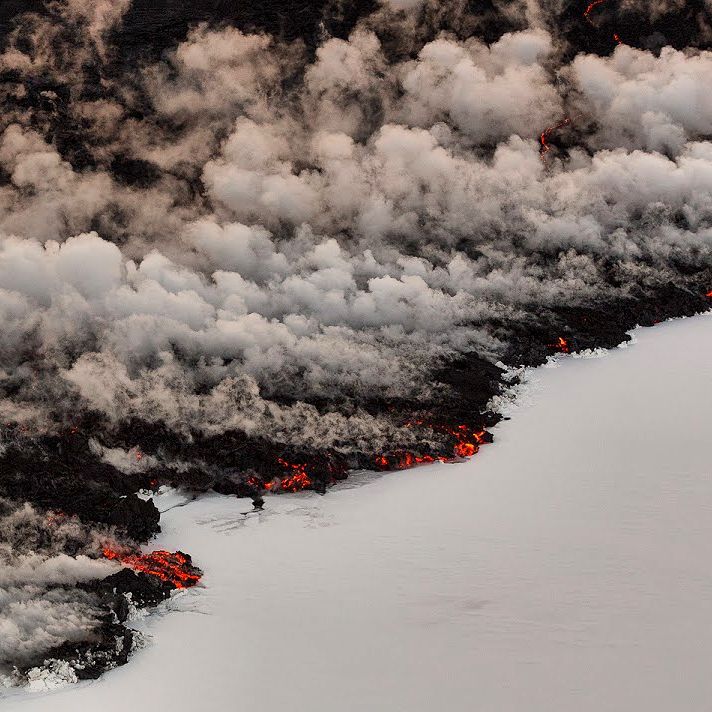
column 220, row 239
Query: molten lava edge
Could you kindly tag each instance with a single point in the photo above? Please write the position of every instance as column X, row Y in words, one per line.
column 175, row 568
column 62, row 474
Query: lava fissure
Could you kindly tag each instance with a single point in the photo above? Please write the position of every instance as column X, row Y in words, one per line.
column 545, row 135
column 587, row 15
column 544, row 145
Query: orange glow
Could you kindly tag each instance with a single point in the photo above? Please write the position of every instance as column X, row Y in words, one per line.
column 561, row 345
column 173, row 567
column 468, row 442
column 545, row 147
column 709, row 294
column 403, row 460
column 465, row 449
column 297, row 480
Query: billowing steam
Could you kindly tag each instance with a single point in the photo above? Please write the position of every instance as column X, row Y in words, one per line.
column 42, row 558
column 291, row 239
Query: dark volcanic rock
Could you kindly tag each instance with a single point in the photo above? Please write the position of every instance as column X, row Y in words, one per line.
column 145, row 590
column 137, row 517
column 110, row 643
column 62, row 473
column 111, row 647
column 59, row 471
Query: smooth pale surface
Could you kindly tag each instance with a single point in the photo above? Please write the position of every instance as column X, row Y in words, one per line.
column 566, row 567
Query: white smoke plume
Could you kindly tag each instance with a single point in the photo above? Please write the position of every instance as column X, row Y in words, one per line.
column 358, row 218
column 352, row 228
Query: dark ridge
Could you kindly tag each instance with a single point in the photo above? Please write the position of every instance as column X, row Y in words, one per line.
column 91, row 659
column 111, row 642
column 61, row 472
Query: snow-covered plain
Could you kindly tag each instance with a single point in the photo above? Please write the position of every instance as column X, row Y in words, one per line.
column 566, row 567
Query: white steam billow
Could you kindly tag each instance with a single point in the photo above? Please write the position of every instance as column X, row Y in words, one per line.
column 250, row 234
column 39, row 608
column 351, row 229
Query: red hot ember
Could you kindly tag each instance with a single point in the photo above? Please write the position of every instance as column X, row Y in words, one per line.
column 561, row 345
column 298, row 476
column 468, row 442
column 296, row 480
column 175, row 567
column 545, row 147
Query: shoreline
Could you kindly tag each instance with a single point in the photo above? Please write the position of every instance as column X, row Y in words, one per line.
column 414, row 591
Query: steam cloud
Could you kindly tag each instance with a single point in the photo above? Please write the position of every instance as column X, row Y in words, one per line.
column 42, row 557
column 250, row 234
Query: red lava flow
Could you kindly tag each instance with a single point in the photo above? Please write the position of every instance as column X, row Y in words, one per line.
column 174, row 567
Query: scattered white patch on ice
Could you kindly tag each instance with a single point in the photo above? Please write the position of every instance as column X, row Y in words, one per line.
column 507, row 402
column 53, row 675
column 590, row 353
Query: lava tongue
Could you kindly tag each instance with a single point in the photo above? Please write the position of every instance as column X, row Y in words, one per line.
column 175, row 568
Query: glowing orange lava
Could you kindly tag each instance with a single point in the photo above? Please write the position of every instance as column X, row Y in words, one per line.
column 468, row 442
column 709, row 294
column 294, row 482
column 561, row 345
column 545, row 147
column 173, row 567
